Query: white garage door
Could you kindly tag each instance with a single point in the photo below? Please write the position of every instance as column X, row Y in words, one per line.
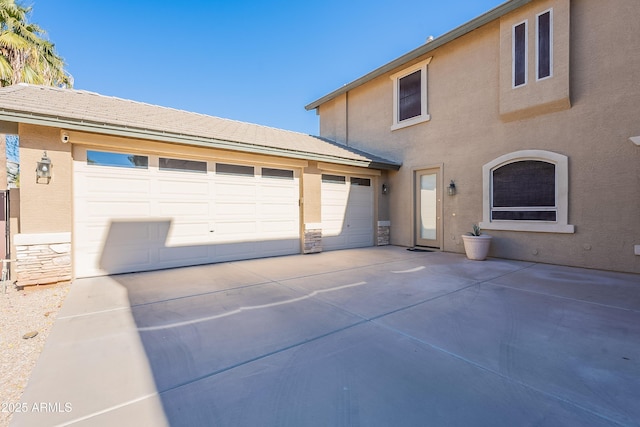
column 347, row 212
column 139, row 212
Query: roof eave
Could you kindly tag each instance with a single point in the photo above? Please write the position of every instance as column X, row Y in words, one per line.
column 481, row 20
column 175, row 138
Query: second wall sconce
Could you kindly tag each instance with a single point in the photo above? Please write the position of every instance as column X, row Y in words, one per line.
column 451, row 189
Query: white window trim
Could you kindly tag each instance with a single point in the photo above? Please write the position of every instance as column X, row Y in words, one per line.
column 561, row 224
column 424, row 116
column 526, row 54
column 550, row 44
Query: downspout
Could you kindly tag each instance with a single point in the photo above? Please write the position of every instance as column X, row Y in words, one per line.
column 346, row 118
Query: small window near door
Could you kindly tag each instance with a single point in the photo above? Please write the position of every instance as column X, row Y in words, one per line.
column 334, row 179
column 119, row 160
column 182, row 165
column 227, row 169
column 277, row 173
column 364, row 182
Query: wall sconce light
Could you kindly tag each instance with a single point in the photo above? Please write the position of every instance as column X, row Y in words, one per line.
column 451, row 189
column 43, row 168
column 385, row 189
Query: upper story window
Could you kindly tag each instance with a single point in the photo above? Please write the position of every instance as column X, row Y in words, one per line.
column 410, row 96
column 519, row 54
column 544, row 45
column 543, row 49
column 526, row 191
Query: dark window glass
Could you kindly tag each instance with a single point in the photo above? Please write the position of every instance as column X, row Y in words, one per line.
column 334, row 179
column 524, row 215
column 277, row 173
column 183, row 165
column 519, row 54
column 227, row 169
column 525, row 183
column 365, row 182
column 409, row 99
column 120, row 160
column 544, row 45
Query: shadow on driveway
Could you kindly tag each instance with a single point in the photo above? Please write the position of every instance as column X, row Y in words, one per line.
column 377, row 336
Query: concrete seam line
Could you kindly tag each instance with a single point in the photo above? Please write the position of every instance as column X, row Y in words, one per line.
column 109, row 409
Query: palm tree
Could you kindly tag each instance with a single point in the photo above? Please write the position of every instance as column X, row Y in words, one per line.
column 25, row 56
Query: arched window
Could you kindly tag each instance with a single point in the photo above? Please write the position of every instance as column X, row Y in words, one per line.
column 526, row 191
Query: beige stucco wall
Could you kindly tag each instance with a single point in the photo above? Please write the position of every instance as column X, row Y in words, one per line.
column 466, row 131
column 44, row 208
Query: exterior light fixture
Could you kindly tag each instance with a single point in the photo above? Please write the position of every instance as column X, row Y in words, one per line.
column 43, row 168
column 385, row 189
column 451, row 189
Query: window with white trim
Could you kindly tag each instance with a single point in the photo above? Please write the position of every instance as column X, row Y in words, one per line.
column 410, row 96
column 526, row 191
column 519, row 55
column 544, row 45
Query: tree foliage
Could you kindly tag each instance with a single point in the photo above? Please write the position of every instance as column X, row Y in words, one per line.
column 25, row 53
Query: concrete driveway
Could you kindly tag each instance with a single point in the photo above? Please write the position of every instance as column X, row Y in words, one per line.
column 367, row 337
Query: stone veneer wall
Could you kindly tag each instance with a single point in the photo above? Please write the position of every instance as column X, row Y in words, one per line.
column 384, row 232
column 42, row 258
column 312, row 238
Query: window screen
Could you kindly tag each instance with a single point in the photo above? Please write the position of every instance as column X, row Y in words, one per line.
column 544, row 45
column 519, row 54
column 524, row 190
column 409, row 99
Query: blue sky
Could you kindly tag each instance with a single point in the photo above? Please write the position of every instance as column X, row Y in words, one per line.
column 254, row 61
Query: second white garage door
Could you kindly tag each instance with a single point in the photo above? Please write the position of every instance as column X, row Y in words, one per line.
column 347, row 212
column 146, row 212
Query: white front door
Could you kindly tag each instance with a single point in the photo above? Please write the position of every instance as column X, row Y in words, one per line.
column 427, row 208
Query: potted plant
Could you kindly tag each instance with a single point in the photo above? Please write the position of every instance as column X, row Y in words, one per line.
column 476, row 244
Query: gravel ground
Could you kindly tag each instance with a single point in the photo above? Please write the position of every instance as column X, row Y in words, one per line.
column 23, row 311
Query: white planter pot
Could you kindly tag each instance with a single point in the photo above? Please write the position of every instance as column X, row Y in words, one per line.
column 476, row 247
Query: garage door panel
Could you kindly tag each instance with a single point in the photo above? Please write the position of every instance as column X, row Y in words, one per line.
column 184, row 209
column 278, row 210
column 278, row 193
column 179, row 255
column 236, row 190
column 118, row 209
column 236, row 210
column 122, row 184
column 280, row 228
column 235, row 230
column 183, row 188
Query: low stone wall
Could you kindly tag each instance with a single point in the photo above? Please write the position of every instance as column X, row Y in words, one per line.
column 312, row 238
column 42, row 258
column 384, row 233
